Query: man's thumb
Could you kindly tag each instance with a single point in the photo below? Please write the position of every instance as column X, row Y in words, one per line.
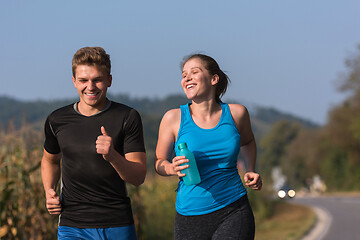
column 52, row 193
column 103, row 131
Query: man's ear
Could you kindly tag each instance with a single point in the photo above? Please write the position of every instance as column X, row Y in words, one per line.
column 74, row 80
column 110, row 80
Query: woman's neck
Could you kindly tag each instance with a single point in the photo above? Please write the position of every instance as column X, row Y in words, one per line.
column 204, row 109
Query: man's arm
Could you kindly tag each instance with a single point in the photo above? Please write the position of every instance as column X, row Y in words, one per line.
column 50, row 173
column 131, row 168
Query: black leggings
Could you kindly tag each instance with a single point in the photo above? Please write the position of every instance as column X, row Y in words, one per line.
column 235, row 221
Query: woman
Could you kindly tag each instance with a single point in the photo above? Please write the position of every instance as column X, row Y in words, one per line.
column 217, row 207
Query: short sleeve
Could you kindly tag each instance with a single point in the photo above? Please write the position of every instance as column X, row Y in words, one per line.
column 134, row 138
column 51, row 144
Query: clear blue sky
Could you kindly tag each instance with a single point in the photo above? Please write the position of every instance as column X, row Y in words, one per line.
column 284, row 54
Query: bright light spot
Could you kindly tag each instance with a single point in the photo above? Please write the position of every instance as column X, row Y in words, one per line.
column 281, row 194
column 291, row 193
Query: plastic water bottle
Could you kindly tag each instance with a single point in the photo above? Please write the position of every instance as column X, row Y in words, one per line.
column 192, row 173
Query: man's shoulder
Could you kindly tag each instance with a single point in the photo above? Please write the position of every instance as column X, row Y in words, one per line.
column 62, row 110
column 122, row 108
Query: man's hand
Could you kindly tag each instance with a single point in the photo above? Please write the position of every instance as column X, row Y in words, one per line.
column 53, row 202
column 104, row 144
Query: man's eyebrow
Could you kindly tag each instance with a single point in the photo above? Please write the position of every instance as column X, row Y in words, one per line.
column 85, row 78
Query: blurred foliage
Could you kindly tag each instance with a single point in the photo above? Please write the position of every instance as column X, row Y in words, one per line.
column 274, row 145
column 157, row 196
column 331, row 151
column 22, row 203
column 151, row 126
column 341, row 164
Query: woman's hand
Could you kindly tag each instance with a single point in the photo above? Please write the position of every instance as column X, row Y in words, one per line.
column 253, row 180
column 176, row 162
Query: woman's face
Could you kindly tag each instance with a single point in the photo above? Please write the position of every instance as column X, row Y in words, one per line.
column 197, row 81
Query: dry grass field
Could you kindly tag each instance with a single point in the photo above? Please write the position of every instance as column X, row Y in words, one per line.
column 289, row 222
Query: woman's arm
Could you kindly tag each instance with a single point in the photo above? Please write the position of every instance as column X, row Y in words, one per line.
column 168, row 130
column 248, row 145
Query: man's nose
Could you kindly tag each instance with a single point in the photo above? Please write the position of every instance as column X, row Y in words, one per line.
column 91, row 85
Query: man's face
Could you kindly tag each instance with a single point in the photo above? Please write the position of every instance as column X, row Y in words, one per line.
column 91, row 84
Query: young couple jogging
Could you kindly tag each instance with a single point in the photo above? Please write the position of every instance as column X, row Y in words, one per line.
column 95, row 146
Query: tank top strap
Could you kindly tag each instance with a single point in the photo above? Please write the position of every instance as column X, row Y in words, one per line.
column 186, row 119
column 184, row 108
column 226, row 114
column 185, row 114
column 227, row 117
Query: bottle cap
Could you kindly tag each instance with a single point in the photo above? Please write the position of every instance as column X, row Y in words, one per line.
column 182, row 145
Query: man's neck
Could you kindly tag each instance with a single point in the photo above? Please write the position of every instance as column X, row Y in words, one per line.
column 88, row 110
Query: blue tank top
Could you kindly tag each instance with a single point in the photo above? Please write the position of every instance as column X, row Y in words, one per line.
column 216, row 152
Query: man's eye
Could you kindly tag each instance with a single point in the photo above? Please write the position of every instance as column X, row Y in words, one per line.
column 98, row 80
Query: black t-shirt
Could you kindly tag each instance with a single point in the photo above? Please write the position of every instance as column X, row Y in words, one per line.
column 92, row 193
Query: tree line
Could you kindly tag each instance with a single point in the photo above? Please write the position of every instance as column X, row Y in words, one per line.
column 331, row 151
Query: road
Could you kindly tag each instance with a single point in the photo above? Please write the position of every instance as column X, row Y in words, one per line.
column 339, row 217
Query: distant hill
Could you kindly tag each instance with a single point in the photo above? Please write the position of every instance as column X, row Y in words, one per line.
column 35, row 112
column 15, row 113
column 271, row 115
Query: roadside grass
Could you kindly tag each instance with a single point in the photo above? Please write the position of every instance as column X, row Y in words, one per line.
column 289, row 222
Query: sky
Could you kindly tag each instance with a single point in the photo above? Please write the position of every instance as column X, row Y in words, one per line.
column 283, row 54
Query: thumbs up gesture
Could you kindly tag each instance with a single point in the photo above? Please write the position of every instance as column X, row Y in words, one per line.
column 104, row 144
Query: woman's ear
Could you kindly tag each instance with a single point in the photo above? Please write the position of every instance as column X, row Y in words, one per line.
column 214, row 79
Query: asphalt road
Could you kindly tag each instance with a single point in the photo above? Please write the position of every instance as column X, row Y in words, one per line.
column 339, row 217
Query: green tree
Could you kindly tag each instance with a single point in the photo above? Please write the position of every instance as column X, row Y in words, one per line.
column 343, row 130
column 303, row 155
column 333, row 151
column 273, row 145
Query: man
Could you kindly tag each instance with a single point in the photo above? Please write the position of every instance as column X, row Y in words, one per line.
column 101, row 145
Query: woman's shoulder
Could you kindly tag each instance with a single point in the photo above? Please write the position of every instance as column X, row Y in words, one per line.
column 237, row 110
column 171, row 121
column 172, row 116
column 240, row 115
